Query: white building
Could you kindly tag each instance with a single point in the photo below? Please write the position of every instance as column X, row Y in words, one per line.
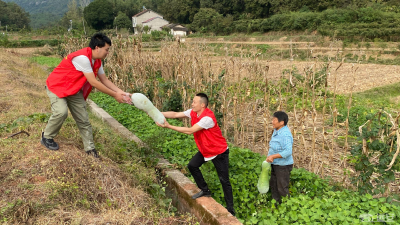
column 176, row 29
column 148, row 18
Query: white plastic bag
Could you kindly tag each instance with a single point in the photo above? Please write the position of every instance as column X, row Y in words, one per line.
column 142, row 102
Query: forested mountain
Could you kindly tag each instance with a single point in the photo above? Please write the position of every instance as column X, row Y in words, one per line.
column 45, row 12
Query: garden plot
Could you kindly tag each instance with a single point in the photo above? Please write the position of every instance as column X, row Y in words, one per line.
column 245, row 89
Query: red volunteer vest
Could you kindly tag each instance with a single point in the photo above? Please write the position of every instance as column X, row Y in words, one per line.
column 209, row 141
column 65, row 80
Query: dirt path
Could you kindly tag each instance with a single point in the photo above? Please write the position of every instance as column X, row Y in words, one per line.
column 282, row 45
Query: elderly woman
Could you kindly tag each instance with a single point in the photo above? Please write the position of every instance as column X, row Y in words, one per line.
column 280, row 156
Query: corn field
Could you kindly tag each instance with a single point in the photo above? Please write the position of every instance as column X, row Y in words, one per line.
column 245, row 92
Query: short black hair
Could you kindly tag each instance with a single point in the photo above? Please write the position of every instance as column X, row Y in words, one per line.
column 99, row 40
column 203, row 98
column 281, row 116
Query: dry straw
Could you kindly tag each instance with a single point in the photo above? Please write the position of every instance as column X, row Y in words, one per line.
column 248, row 93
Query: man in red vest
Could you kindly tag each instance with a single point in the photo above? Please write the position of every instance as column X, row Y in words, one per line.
column 69, row 85
column 212, row 146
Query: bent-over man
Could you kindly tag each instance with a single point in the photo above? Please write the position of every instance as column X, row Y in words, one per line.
column 70, row 84
column 211, row 144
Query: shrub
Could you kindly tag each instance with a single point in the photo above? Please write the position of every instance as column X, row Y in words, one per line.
column 28, row 43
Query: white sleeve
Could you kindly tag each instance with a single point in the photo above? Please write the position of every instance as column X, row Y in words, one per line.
column 101, row 70
column 206, row 123
column 187, row 113
column 82, row 64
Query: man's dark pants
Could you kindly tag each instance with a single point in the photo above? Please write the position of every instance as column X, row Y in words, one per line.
column 279, row 182
column 221, row 163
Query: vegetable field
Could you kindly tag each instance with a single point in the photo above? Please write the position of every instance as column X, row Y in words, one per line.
column 345, row 136
column 313, row 200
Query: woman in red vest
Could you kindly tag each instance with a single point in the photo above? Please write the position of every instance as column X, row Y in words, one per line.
column 69, row 85
column 212, row 146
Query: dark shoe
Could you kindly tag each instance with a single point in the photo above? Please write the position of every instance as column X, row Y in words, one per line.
column 93, row 152
column 49, row 143
column 201, row 194
column 232, row 211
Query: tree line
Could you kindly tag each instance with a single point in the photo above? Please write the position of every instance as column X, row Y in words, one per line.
column 13, row 17
column 221, row 17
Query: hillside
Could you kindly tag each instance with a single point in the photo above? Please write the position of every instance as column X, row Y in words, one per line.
column 55, row 7
column 44, row 12
column 38, row 186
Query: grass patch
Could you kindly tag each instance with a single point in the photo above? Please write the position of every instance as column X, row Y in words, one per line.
column 51, row 62
column 380, row 96
column 367, row 103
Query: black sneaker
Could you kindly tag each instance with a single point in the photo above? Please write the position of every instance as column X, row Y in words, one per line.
column 202, row 194
column 93, row 152
column 49, row 143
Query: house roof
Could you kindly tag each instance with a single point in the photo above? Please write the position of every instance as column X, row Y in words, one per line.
column 180, row 29
column 144, row 11
column 157, row 17
column 171, row 25
column 176, row 27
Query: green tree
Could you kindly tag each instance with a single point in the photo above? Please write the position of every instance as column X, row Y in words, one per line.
column 3, row 12
column 206, row 3
column 13, row 16
column 179, row 11
column 146, row 29
column 74, row 13
column 206, row 20
column 122, row 6
column 231, row 7
column 257, row 8
column 122, row 21
column 99, row 14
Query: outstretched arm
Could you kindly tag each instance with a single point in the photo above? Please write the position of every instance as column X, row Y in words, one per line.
column 185, row 130
column 174, row 115
column 108, row 83
column 119, row 96
column 111, row 90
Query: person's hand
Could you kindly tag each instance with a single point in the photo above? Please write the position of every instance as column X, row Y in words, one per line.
column 128, row 99
column 165, row 125
column 120, row 97
column 270, row 159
